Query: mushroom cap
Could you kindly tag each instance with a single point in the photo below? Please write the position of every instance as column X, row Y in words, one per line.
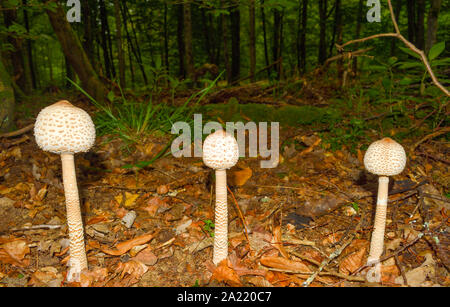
column 385, row 157
column 220, row 150
column 63, row 128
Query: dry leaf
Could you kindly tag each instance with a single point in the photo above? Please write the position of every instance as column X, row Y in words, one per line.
column 352, row 262
column 146, row 256
column 89, row 278
column 285, row 264
column 224, row 273
column 124, row 247
column 240, row 177
column 277, row 242
column 134, row 268
column 17, row 249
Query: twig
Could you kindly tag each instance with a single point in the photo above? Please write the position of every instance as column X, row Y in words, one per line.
column 329, row 273
column 241, row 216
column 17, row 132
column 413, row 48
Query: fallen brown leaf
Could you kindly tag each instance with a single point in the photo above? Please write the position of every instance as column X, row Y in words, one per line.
column 124, row 247
column 224, row 273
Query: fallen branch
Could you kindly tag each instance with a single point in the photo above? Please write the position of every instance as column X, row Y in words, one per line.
column 17, row 132
column 413, row 48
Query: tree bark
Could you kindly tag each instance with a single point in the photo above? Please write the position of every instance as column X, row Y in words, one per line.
column 252, row 40
column 266, row 49
column 180, row 40
column 119, row 43
column 432, row 24
column 16, row 56
column 323, row 27
column 226, row 53
column 397, row 11
column 420, row 25
column 76, row 55
column 358, row 32
column 105, row 41
column 411, row 8
column 7, row 100
column 190, row 69
column 235, row 18
column 29, row 50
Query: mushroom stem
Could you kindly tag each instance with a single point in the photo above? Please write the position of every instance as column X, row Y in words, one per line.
column 221, row 218
column 377, row 242
column 78, row 259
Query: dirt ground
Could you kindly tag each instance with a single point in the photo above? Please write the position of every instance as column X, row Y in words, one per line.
column 310, row 216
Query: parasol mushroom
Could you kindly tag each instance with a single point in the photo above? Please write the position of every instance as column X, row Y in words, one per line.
column 64, row 129
column 384, row 158
column 220, row 152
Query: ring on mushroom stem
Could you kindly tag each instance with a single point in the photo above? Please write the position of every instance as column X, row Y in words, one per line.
column 220, row 152
column 64, row 129
column 384, row 158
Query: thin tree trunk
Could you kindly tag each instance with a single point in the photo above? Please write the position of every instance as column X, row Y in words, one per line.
column 226, row 53
column 19, row 73
column 190, row 69
column 166, row 40
column 420, row 25
column 134, row 49
column 252, row 39
column 266, row 49
column 432, row 24
column 29, row 48
column 104, row 42
column 397, row 11
column 207, row 36
column 323, row 28
column 180, row 40
column 119, row 44
column 235, row 18
column 76, row 55
column 277, row 38
column 7, row 100
column 411, row 7
column 303, row 36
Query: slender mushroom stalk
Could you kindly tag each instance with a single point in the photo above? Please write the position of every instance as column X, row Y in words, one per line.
column 383, row 158
column 64, row 129
column 220, row 152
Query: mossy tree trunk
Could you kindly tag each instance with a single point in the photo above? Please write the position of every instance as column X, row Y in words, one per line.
column 76, row 55
column 6, row 100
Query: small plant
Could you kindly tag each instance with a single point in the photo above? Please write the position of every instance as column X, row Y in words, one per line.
column 209, row 227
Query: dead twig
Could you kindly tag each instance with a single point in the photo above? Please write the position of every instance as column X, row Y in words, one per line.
column 17, row 132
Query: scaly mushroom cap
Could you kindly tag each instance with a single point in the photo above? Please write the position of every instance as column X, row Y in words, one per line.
column 385, row 157
column 220, row 150
column 63, row 128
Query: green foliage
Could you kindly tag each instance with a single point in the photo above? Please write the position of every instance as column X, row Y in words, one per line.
column 209, row 227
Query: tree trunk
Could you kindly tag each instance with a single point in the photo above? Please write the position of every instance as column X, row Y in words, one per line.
column 303, row 36
column 76, row 56
column 420, row 25
column 119, row 43
column 266, row 49
column 207, row 36
column 432, row 24
column 166, row 40
column 6, row 100
column 358, row 32
column 105, row 40
column 134, row 47
column 397, row 11
column 180, row 40
column 16, row 56
column 252, row 40
column 190, row 69
column 226, row 53
column 277, row 39
column 411, row 7
column 235, row 18
column 323, row 27
column 29, row 50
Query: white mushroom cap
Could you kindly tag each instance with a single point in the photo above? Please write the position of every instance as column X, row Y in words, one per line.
column 220, row 150
column 63, row 128
column 385, row 157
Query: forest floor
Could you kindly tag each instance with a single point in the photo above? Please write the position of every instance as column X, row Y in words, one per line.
column 314, row 210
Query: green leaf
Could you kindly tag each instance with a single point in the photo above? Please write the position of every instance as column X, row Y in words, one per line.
column 410, row 52
column 436, row 50
column 407, row 65
column 406, row 81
